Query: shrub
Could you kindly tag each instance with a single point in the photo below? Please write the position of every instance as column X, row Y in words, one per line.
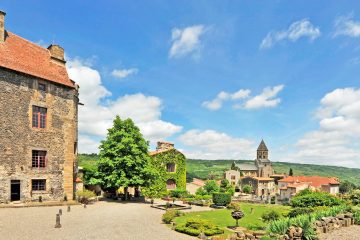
column 314, row 199
column 179, row 193
column 234, row 206
column 200, row 191
column 355, row 197
column 211, row 187
column 194, row 227
column 247, row 189
column 169, row 215
column 270, row 216
column 299, row 211
column 85, row 196
column 221, row 199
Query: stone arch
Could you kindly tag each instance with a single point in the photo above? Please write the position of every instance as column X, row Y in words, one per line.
column 170, row 184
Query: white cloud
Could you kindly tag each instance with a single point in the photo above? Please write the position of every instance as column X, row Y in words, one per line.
column 335, row 142
column 123, row 73
column 98, row 112
column 209, row 144
column 264, row 100
column 186, row 41
column 345, row 25
column 298, row 29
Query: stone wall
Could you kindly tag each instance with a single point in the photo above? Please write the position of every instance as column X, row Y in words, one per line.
column 18, row 138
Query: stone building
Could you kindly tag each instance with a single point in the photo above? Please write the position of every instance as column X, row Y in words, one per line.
column 261, row 186
column 262, row 166
column 38, row 121
column 171, row 164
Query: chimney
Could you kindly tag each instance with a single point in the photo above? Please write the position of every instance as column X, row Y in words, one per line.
column 164, row 146
column 57, row 54
column 2, row 26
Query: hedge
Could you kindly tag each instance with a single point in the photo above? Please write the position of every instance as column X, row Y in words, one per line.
column 194, row 227
column 221, row 199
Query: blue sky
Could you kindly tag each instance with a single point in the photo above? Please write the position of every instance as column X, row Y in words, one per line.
column 214, row 77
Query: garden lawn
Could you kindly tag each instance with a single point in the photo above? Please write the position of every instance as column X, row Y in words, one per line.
column 222, row 217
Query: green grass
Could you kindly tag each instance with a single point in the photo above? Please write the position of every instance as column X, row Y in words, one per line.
column 203, row 168
column 223, row 217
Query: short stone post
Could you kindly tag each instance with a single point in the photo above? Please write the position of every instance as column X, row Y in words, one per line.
column 57, row 224
column 84, row 205
column 68, row 209
column 60, row 212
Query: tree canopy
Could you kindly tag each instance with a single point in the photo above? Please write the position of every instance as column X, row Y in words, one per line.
column 124, row 159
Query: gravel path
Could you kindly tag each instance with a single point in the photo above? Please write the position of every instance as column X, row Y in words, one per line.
column 344, row 233
column 103, row 220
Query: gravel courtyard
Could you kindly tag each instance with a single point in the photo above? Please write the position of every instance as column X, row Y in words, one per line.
column 103, row 220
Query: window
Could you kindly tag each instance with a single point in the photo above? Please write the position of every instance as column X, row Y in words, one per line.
column 38, row 159
column 39, row 117
column 170, row 167
column 42, row 87
column 233, row 177
column 38, row 184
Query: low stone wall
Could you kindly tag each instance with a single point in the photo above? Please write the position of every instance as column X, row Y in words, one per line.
column 328, row 224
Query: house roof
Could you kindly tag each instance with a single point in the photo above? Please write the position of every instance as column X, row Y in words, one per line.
column 21, row 55
column 247, row 167
column 315, row 181
column 152, row 153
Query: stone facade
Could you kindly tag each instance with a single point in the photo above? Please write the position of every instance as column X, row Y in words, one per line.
column 261, row 186
column 18, row 139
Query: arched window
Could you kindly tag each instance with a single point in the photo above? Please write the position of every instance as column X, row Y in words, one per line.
column 170, row 184
column 170, row 167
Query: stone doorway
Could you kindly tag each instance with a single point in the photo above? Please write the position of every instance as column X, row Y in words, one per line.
column 15, row 190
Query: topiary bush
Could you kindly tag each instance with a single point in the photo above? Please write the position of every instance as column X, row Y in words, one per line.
column 270, row 216
column 85, row 196
column 221, row 199
column 169, row 215
column 194, row 227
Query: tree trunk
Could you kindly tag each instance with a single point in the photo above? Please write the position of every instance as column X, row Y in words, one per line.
column 126, row 193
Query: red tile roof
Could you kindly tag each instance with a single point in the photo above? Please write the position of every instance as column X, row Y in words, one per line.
column 315, row 181
column 26, row 57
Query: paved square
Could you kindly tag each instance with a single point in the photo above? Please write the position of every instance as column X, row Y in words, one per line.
column 102, row 220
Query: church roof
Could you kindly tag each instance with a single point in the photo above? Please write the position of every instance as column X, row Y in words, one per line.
column 247, row 167
column 262, row 146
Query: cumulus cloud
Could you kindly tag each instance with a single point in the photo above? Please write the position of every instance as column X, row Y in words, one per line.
column 123, row 73
column 186, row 41
column 217, row 102
column 345, row 25
column 298, row 29
column 98, row 112
column 264, row 100
column 335, row 142
column 210, row 144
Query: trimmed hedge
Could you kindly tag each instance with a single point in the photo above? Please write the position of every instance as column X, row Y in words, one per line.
column 221, row 199
column 169, row 215
column 194, row 227
column 315, row 199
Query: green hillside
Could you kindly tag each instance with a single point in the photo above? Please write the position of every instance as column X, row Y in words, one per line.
column 203, row 168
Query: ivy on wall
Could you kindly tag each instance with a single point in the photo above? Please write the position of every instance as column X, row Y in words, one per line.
column 160, row 161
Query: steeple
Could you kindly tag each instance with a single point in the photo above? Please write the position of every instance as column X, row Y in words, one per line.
column 262, row 151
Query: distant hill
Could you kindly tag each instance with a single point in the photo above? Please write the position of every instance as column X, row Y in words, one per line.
column 202, row 168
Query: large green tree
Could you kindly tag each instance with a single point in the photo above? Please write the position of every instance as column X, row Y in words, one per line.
column 124, row 160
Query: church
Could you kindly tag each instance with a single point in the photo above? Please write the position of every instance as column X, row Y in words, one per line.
column 262, row 167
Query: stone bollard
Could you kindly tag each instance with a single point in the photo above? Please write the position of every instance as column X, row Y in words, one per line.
column 57, row 224
column 60, row 212
column 68, row 209
column 84, row 205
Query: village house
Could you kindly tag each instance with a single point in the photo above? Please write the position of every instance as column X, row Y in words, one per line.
column 261, row 186
column 38, row 126
column 290, row 186
column 172, row 166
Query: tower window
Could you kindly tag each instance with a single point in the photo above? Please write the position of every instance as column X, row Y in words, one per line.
column 39, row 117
